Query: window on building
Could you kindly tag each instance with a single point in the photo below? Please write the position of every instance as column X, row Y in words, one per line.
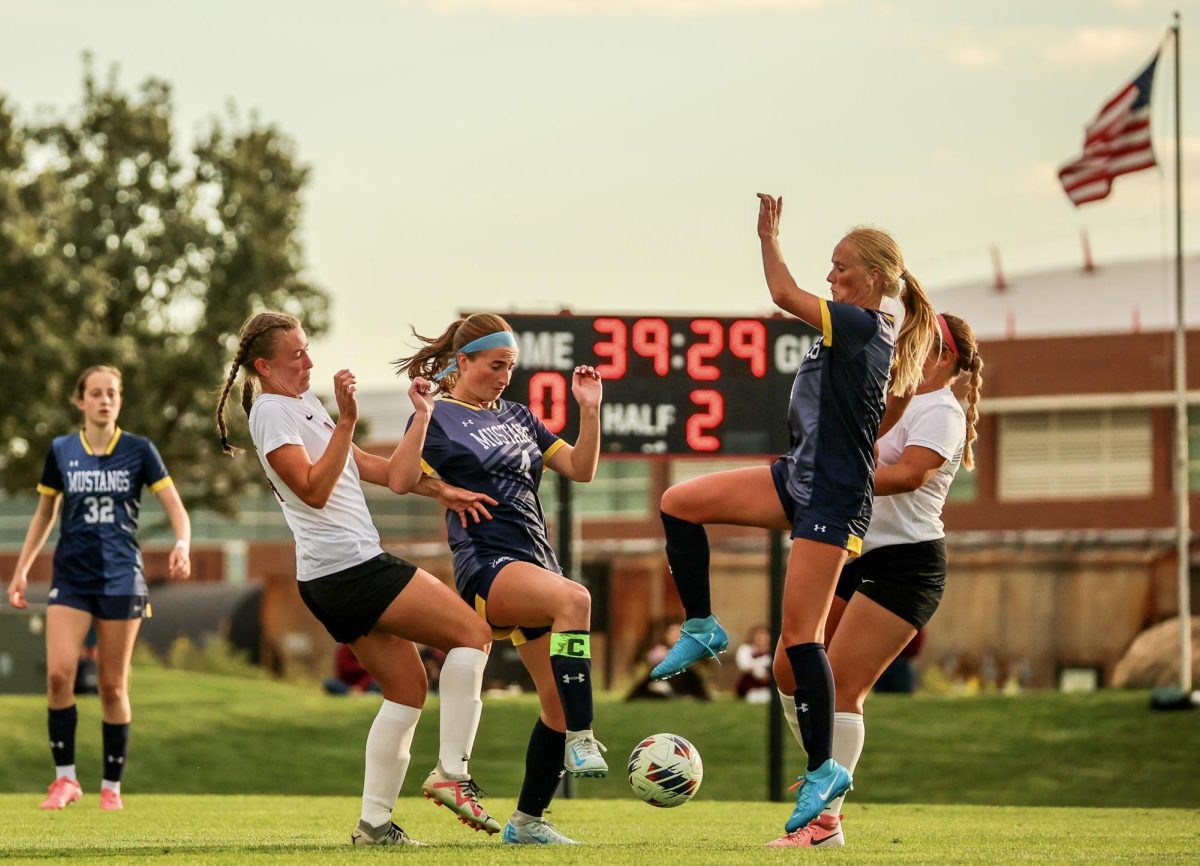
column 1193, row 447
column 1075, row 455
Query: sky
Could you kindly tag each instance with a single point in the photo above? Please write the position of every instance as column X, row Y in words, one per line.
column 603, row 155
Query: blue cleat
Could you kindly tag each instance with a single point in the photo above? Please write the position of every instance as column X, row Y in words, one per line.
column 818, row 788
column 700, row 639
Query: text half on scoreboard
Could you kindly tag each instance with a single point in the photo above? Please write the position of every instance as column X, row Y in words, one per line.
column 672, row 384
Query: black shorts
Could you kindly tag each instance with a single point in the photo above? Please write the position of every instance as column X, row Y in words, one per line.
column 906, row 579
column 474, row 589
column 349, row 602
column 808, row 522
column 102, row 606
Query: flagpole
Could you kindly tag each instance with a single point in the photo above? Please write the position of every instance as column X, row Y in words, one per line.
column 1183, row 517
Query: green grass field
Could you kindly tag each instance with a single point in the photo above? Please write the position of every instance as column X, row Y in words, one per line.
column 229, row 770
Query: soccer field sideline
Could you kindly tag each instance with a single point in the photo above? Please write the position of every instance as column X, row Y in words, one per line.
column 214, row 829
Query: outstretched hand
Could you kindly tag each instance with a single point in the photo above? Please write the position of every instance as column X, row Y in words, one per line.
column 465, row 503
column 16, row 592
column 585, row 385
column 770, row 212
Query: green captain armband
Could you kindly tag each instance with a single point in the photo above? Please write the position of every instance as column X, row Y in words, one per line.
column 577, row 645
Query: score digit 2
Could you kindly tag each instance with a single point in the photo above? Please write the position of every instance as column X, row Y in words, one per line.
column 714, row 414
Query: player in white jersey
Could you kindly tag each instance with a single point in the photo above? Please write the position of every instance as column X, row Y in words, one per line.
column 886, row 595
column 378, row 604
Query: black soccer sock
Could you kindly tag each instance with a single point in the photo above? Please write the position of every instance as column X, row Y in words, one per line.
column 814, row 700
column 62, row 735
column 571, row 661
column 687, row 557
column 543, row 769
column 116, row 746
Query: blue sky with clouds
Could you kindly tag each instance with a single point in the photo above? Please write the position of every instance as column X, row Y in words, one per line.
column 604, row 154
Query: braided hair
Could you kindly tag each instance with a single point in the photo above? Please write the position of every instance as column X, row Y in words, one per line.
column 970, row 362
column 258, row 338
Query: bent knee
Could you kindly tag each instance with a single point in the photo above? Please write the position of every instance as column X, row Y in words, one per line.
column 676, row 503
column 576, row 602
column 60, row 680
column 477, row 636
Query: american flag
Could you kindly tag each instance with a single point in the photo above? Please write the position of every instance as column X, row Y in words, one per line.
column 1116, row 142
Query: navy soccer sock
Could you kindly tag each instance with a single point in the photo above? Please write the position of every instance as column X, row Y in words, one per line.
column 116, row 746
column 814, row 700
column 571, row 661
column 687, row 556
column 543, row 769
column 62, row 735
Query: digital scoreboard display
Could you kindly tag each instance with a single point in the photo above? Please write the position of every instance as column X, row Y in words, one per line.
column 672, row 384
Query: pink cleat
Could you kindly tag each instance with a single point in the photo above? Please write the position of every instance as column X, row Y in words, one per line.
column 110, row 801
column 63, row 791
column 824, row 831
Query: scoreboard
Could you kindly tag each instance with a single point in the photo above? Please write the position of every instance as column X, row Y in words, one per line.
column 672, row 384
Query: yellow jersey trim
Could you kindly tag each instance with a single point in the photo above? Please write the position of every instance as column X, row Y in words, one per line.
column 48, row 491
column 826, row 323
column 854, row 545
column 552, row 450
column 461, row 403
column 161, row 484
column 512, row 633
column 112, row 443
column 428, row 470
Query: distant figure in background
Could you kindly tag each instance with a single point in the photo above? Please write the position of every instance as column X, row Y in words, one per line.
column 96, row 476
column 86, row 680
column 688, row 684
column 349, row 676
column 754, row 661
column 433, row 659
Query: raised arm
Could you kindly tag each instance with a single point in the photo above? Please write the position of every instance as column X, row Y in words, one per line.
column 788, row 296
column 314, row 482
column 579, row 461
column 35, row 540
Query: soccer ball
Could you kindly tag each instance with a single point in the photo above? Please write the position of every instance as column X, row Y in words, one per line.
column 665, row 770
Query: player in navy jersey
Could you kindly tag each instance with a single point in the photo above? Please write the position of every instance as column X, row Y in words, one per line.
column 378, row 604
column 892, row 590
column 505, row 567
column 95, row 477
column 821, row 489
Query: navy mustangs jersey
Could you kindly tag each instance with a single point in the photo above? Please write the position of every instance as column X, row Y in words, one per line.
column 499, row 451
column 97, row 552
column 837, row 402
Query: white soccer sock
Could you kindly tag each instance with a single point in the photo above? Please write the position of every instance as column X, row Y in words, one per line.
column 461, row 680
column 66, row 771
column 388, row 746
column 788, row 704
column 106, row 785
column 849, row 733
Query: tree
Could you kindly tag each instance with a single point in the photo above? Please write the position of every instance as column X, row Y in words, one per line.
column 115, row 249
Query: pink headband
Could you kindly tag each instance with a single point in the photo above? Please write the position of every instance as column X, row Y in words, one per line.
column 947, row 337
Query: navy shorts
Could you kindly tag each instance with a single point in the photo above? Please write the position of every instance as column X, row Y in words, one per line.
column 807, row 522
column 102, row 606
column 906, row 579
column 474, row 589
column 349, row 602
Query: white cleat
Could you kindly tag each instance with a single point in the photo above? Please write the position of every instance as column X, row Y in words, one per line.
column 388, row 834
column 535, row 831
column 583, row 756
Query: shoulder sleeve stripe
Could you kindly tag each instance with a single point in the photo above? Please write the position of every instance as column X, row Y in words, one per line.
column 47, row 491
column 428, row 470
column 826, row 323
column 552, row 450
column 161, row 484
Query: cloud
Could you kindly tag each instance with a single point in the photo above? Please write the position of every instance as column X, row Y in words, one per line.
column 973, row 55
column 1100, row 45
column 619, row 7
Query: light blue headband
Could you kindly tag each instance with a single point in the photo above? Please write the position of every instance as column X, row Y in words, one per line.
column 488, row 341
